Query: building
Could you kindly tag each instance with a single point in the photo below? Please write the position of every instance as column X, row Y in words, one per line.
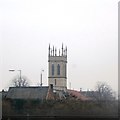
column 27, row 93
column 31, row 93
column 57, row 81
column 57, row 68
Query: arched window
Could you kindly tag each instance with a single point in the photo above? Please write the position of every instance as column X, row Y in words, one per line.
column 58, row 69
column 52, row 69
column 65, row 70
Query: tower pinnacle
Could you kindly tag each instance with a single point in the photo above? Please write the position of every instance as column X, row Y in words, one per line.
column 62, row 49
column 66, row 51
column 49, row 49
column 53, row 50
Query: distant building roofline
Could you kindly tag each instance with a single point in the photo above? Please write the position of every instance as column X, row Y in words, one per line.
column 30, row 87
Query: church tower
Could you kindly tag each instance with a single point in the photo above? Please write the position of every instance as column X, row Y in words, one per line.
column 57, row 68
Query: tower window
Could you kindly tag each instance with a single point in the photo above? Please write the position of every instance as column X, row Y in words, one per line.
column 52, row 69
column 65, row 70
column 58, row 69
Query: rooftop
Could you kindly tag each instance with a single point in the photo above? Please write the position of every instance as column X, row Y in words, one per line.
column 27, row 92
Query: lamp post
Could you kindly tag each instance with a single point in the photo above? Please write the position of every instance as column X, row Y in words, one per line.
column 41, row 78
column 41, row 84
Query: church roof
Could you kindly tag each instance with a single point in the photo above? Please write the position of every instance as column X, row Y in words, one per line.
column 78, row 95
column 27, row 92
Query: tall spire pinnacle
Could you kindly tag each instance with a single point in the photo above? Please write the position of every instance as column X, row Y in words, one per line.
column 59, row 52
column 53, row 50
column 49, row 46
column 66, row 50
column 49, row 49
column 62, row 49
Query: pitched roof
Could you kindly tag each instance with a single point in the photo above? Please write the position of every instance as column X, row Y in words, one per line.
column 27, row 92
column 78, row 95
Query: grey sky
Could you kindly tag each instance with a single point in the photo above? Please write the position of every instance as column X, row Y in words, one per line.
column 89, row 28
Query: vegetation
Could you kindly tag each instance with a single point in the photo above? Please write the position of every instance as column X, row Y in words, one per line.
column 104, row 92
column 59, row 108
column 104, row 104
column 20, row 82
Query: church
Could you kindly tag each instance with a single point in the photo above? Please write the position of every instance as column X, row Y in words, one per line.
column 57, row 81
column 57, row 68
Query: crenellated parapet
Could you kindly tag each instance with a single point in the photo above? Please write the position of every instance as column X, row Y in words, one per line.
column 53, row 51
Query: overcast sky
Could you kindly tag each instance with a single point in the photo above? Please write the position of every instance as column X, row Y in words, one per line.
column 89, row 28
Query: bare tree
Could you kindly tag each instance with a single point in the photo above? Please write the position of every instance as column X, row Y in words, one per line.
column 20, row 82
column 103, row 92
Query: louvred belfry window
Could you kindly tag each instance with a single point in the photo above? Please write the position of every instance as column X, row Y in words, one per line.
column 52, row 69
column 58, row 69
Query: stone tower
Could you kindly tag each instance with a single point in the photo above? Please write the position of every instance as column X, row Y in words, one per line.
column 57, row 68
